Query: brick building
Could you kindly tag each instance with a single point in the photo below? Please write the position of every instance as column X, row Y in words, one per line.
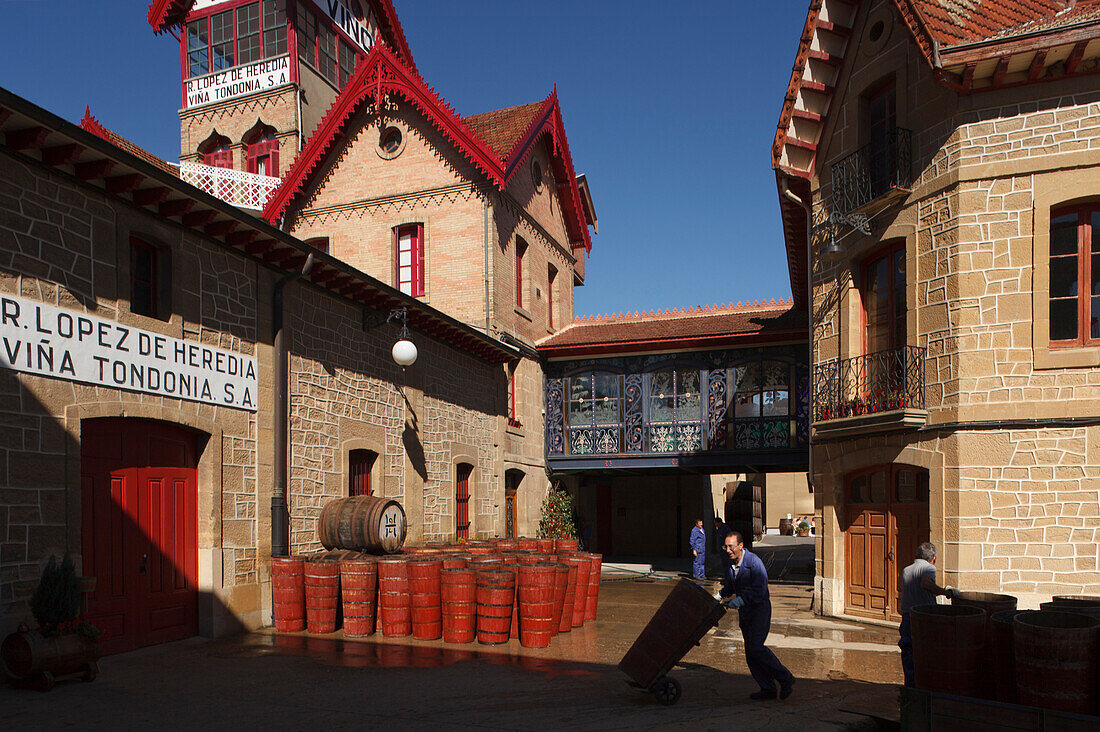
column 262, row 384
column 947, row 155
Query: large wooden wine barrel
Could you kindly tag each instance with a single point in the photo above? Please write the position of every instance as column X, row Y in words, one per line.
column 535, row 596
column 989, row 603
column 580, row 592
column 424, row 603
column 1003, row 650
column 948, row 646
column 363, row 523
column 566, row 623
column 496, row 596
column 288, row 593
column 1082, row 604
column 1057, row 656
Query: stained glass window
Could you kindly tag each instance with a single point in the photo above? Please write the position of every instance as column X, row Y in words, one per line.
column 674, row 415
column 761, row 414
column 595, row 420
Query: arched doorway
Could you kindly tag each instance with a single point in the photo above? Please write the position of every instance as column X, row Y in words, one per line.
column 887, row 518
column 462, row 500
column 139, row 530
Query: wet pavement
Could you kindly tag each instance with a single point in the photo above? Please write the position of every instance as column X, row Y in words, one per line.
column 300, row 682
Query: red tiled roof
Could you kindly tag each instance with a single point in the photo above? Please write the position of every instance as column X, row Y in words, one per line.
column 502, row 129
column 775, row 320
column 957, row 22
column 91, row 124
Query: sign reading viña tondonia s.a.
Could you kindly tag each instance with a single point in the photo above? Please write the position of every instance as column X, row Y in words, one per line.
column 36, row 338
column 237, row 81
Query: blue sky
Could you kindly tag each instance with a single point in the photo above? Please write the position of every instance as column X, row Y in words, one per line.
column 670, row 110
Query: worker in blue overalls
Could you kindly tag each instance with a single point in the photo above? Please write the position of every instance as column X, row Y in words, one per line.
column 745, row 588
column 698, row 543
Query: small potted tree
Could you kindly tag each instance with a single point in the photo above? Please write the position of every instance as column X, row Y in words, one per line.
column 64, row 643
column 802, row 528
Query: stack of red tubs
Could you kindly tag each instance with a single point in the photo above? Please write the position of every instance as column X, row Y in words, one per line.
column 530, row 589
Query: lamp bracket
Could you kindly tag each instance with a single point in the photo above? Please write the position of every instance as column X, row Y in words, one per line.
column 376, row 318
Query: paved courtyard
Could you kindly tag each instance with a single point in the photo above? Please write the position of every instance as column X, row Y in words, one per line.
column 296, row 682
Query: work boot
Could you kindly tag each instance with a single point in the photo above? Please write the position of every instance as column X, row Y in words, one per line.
column 786, row 689
column 762, row 694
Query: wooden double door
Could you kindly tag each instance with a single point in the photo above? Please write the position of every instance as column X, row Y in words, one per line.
column 139, row 495
column 887, row 519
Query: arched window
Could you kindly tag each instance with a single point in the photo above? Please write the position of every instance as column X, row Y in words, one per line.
column 216, row 151
column 263, row 151
column 462, row 500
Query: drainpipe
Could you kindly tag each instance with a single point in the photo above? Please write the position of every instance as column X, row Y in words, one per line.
column 280, row 515
column 485, row 214
column 810, row 326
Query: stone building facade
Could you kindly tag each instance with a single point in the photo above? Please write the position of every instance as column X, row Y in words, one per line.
column 164, row 492
column 942, row 152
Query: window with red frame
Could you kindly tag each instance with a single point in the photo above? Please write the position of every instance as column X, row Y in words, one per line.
column 1075, row 275
column 513, row 418
column 551, row 276
column 263, row 155
column 462, row 500
column 241, row 35
column 323, row 48
column 521, row 251
column 216, row 151
column 143, row 278
column 883, row 294
column 360, row 463
column 409, row 258
column 319, row 242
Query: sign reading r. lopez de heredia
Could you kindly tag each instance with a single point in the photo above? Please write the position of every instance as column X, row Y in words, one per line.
column 239, row 80
column 42, row 339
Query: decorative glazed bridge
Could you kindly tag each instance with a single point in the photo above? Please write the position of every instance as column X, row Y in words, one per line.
column 236, row 187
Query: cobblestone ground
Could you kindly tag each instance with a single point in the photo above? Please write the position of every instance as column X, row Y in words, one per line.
column 299, row 682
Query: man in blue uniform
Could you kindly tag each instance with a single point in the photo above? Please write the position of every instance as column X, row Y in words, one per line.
column 698, row 543
column 745, row 586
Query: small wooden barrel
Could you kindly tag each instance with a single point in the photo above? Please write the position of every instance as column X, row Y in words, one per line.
column 948, row 645
column 535, row 590
column 322, row 581
column 27, row 653
column 454, row 561
column 364, row 523
column 496, row 591
column 393, row 597
column 560, row 585
column 990, row 603
column 1080, row 604
column 1057, row 658
column 546, row 546
column 458, row 604
column 566, row 622
column 288, row 594
column 565, row 545
column 580, row 593
column 359, row 590
column 592, row 601
column 424, row 589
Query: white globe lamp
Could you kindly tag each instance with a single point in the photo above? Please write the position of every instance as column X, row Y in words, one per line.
column 404, row 353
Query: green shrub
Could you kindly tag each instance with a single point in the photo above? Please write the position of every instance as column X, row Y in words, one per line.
column 557, row 516
column 56, row 600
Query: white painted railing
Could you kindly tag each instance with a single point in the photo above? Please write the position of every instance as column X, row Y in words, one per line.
column 247, row 190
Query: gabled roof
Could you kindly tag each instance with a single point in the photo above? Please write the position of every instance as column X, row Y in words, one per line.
column 382, row 73
column 91, row 124
column 681, row 328
column 40, row 137
column 164, row 15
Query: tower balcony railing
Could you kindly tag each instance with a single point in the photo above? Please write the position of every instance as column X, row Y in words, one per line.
column 236, row 187
column 873, row 383
column 875, row 173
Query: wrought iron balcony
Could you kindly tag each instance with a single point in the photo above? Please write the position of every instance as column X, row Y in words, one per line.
column 876, row 382
column 236, row 187
column 870, row 173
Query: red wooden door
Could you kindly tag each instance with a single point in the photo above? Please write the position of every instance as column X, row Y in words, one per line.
column 140, row 530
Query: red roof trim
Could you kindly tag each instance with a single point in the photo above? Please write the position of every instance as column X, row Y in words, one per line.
column 165, row 14
column 800, row 59
column 381, row 73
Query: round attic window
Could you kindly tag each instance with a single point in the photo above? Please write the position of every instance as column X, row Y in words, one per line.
column 536, row 175
column 391, row 142
column 876, row 31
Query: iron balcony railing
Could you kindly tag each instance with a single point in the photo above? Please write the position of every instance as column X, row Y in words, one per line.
column 873, row 170
column 876, row 382
column 236, row 187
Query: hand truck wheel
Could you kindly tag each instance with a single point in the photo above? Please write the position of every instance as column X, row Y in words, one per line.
column 666, row 690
